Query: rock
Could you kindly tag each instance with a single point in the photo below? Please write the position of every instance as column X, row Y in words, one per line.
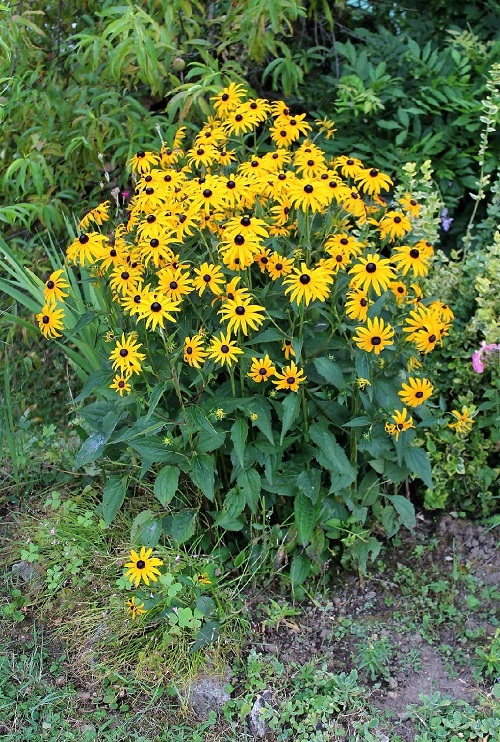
column 393, row 683
column 206, row 694
column 27, row 573
column 257, row 723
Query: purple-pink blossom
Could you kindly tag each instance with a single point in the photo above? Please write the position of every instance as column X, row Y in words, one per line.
column 485, row 350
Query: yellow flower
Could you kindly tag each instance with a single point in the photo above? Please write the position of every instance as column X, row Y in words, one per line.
column 261, row 369
column 287, row 348
column 202, row 579
column 194, row 353
column 143, row 566
column 242, row 315
column 415, row 392
column 54, row 287
column 401, row 423
column 363, row 383
column 394, row 224
column 463, row 423
column 142, row 162
column 372, row 181
column 208, row 276
column 135, row 609
column 99, row 215
column 308, row 284
column 50, row 321
column 125, row 356
column 372, row 271
column 289, row 378
column 222, row 350
column 376, row 336
column 410, row 205
column 121, row 384
column 219, row 413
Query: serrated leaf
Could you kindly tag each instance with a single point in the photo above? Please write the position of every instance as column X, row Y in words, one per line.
column 418, row 462
column 203, row 474
column 332, row 456
column 239, row 434
column 404, row 509
column 91, row 449
column 330, row 371
column 299, row 570
column 305, row 517
column 181, row 526
column 250, row 484
column 166, row 484
column 291, row 407
column 309, row 483
column 113, row 496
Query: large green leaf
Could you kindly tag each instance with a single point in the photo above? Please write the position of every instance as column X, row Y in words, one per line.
column 330, row 371
column 166, row 484
column 203, row 474
column 91, row 449
column 250, row 484
column 405, row 510
column 309, row 483
column 239, row 434
column 181, row 526
column 418, row 462
column 332, row 456
column 113, row 496
column 291, row 407
column 299, row 569
column 306, row 515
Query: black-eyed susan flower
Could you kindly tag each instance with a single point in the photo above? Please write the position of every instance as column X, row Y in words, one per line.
column 135, row 608
column 125, row 280
column 223, row 350
column 308, row 284
column 202, row 579
column 309, row 194
column 262, row 259
column 238, row 250
column 279, row 266
column 249, row 227
column 399, row 290
column 261, row 369
column 415, row 392
column 463, row 421
column 242, row 315
column 194, row 351
column 411, row 258
column 410, row 205
column 86, row 247
column 394, row 224
column 287, row 348
column 376, row 336
column 121, row 384
column 401, row 423
column 99, row 215
column 326, row 127
column 372, row 271
column 50, row 321
column 426, row 339
column 357, row 305
column 290, row 378
column 228, row 99
column 350, row 167
column 443, row 311
column 143, row 566
column 425, row 247
column 372, row 181
column 142, row 162
column 345, row 242
column 157, row 307
column 353, row 203
column 53, row 289
column 169, row 156
column 126, row 357
column 174, row 283
column 240, row 121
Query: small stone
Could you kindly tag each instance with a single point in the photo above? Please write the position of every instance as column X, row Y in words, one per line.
column 83, row 695
column 60, row 681
column 27, row 573
column 393, row 683
column 392, row 694
column 257, row 724
column 207, row 694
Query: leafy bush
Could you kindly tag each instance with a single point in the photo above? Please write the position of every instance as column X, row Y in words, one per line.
column 288, row 252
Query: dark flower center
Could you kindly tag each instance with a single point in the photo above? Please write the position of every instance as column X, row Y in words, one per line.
column 238, row 117
column 45, row 319
column 262, row 371
column 140, row 564
column 419, row 395
column 245, row 222
column 207, row 193
column 354, row 195
column 137, row 299
column 414, row 253
column 305, row 279
column 167, row 178
column 376, row 340
column 230, row 296
column 292, row 122
column 275, row 155
column 123, row 352
column 224, row 348
column 225, row 97
column 125, row 275
column 240, row 311
column 50, row 284
column 373, row 173
column 339, row 258
column 239, row 239
column 264, row 260
column 231, row 184
column 168, row 152
column 200, row 152
column 371, row 267
column 182, row 218
column 400, row 290
column 237, row 261
column 282, row 176
column 350, row 162
column 308, row 188
column 310, row 163
column 148, row 178
column 174, row 285
column 121, row 384
column 254, row 163
column 432, row 338
column 141, row 154
column 288, row 342
column 400, row 426
column 83, row 238
column 150, row 191
column 344, row 241
column 112, row 254
column 154, row 242
column 363, row 302
column 397, row 219
column 279, row 266
column 207, row 277
column 413, row 202
column 290, row 380
column 156, row 306
column 189, row 350
column 333, row 184
column 283, row 133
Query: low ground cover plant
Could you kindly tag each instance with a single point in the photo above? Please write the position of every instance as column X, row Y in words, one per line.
column 254, row 329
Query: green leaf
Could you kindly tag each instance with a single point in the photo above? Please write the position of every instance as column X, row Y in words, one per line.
column 418, row 462
column 151, row 532
column 203, row 474
column 261, row 407
column 113, row 496
column 291, row 407
column 155, row 397
column 198, row 421
column 299, row 570
column 305, row 517
column 358, row 422
column 166, row 484
column 139, row 520
column 309, row 482
column 181, row 526
column 361, row 550
column 405, row 510
column 234, row 504
column 91, row 449
column 84, row 320
column 332, row 456
column 95, row 381
column 206, row 605
column 239, row 434
column 208, row 634
column 330, row 371
column 250, row 484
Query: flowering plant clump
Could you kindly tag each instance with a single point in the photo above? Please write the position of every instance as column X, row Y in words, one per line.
column 260, row 335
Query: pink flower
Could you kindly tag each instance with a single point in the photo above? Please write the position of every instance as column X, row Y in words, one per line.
column 486, row 350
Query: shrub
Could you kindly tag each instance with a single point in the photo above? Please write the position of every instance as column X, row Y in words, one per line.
column 254, row 330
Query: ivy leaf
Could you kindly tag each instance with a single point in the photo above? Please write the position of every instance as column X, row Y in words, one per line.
column 418, row 462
